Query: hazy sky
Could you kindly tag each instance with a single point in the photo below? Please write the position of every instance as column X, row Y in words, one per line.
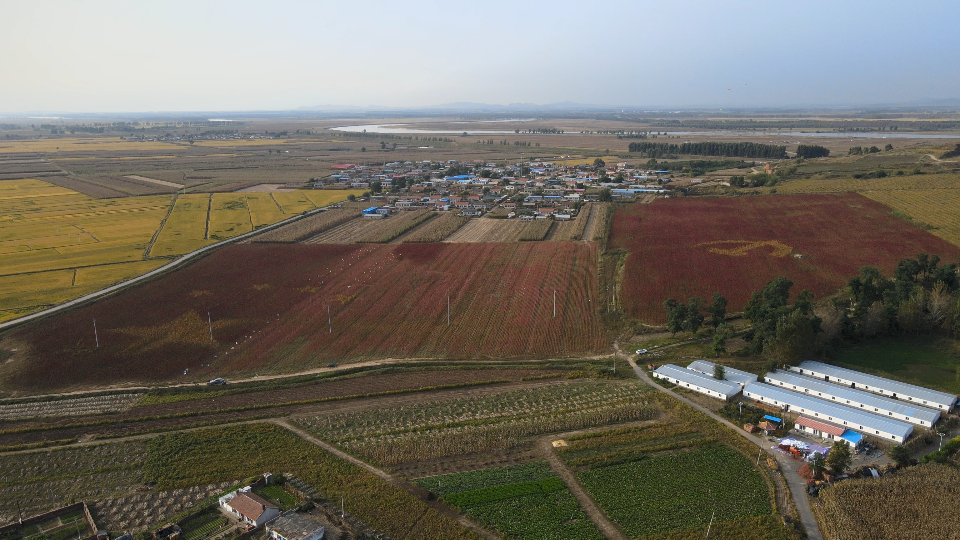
column 181, row 56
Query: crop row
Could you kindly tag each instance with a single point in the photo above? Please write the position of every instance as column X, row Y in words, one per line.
column 438, row 229
column 393, row 227
column 535, row 231
column 519, row 501
column 679, row 490
column 437, row 430
column 888, row 507
column 309, row 226
column 69, row 407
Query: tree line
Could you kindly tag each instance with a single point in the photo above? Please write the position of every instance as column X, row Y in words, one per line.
column 708, row 148
column 809, row 151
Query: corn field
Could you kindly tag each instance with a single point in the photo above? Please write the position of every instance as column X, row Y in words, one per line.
column 68, row 407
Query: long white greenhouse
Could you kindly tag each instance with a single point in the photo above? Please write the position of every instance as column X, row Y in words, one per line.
column 879, row 385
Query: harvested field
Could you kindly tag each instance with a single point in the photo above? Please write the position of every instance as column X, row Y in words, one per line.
column 266, row 188
column 308, row 227
column 683, row 248
column 491, row 230
column 268, row 304
column 535, row 231
column 370, row 230
column 154, row 181
column 435, row 230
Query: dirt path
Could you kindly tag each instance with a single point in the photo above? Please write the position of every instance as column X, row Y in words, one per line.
column 590, row 229
column 153, row 240
column 416, row 491
column 552, row 232
column 789, row 467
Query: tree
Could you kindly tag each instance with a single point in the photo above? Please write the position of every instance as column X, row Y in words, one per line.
column 888, row 147
column 351, row 197
column 719, row 372
column 717, row 310
column 793, row 339
column 900, row 455
column 605, row 195
column 363, row 149
column 676, row 315
column 720, row 337
column 597, row 163
column 376, row 187
column 694, row 315
column 838, row 459
column 817, row 464
column 383, row 145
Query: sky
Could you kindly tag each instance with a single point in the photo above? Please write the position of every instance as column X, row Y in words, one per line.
column 102, row 56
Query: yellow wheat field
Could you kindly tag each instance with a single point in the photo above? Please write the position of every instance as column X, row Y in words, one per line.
column 99, row 144
column 939, row 208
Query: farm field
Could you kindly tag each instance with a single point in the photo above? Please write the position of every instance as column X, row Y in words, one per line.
column 268, row 306
column 521, row 501
column 57, row 244
column 694, row 247
column 502, row 230
column 436, row 230
column 889, row 507
column 930, row 200
column 310, row 226
column 369, row 230
column 678, row 490
column 434, row 430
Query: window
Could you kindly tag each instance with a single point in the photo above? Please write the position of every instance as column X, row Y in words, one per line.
column 878, row 433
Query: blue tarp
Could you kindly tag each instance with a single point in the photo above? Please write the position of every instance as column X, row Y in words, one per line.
column 772, row 418
column 371, row 210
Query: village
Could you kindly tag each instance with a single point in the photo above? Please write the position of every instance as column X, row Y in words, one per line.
column 527, row 190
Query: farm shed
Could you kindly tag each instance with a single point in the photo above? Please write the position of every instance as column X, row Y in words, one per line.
column 697, row 381
column 879, row 385
column 293, row 526
column 706, row 367
column 860, row 399
column 821, row 409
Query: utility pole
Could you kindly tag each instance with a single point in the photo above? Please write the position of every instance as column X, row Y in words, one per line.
column 448, row 309
column 96, row 336
column 329, row 320
column 711, row 524
column 554, row 303
column 210, row 324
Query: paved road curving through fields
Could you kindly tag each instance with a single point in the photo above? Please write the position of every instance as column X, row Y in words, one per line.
column 183, row 259
column 797, row 485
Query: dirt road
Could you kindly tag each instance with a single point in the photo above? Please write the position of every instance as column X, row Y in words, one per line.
column 590, row 230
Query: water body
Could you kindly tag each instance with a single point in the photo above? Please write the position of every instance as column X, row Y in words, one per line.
column 404, row 129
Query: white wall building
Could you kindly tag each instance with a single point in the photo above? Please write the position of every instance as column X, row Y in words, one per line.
column 860, row 399
column 697, row 382
column 878, row 385
column 821, row 409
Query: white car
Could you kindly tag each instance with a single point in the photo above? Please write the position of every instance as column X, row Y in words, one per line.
column 642, row 351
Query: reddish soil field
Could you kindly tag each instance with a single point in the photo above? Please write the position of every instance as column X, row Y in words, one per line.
column 682, row 248
column 268, row 306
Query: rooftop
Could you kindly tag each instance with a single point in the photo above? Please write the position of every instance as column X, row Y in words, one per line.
column 250, row 505
column 859, row 396
column 293, row 526
column 873, row 381
column 826, row 410
column 683, row 374
column 742, row 378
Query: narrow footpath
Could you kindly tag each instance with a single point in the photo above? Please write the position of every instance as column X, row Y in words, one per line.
column 796, row 484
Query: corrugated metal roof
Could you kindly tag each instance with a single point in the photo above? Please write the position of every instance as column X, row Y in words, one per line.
column 831, row 411
column 683, row 374
column 742, row 378
column 868, row 399
column 873, row 381
column 825, row 427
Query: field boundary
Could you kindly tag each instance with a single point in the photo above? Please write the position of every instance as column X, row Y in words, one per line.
column 183, row 259
column 173, row 203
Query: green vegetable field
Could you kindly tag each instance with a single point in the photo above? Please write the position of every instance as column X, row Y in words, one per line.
column 679, row 490
column 520, row 501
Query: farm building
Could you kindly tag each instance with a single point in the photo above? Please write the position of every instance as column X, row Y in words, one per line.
column 249, row 508
column 697, row 381
column 706, row 367
column 878, row 385
column 293, row 526
column 853, row 397
column 827, row 430
column 821, row 409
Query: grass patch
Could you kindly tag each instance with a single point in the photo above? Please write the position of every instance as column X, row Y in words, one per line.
column 934, row 363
